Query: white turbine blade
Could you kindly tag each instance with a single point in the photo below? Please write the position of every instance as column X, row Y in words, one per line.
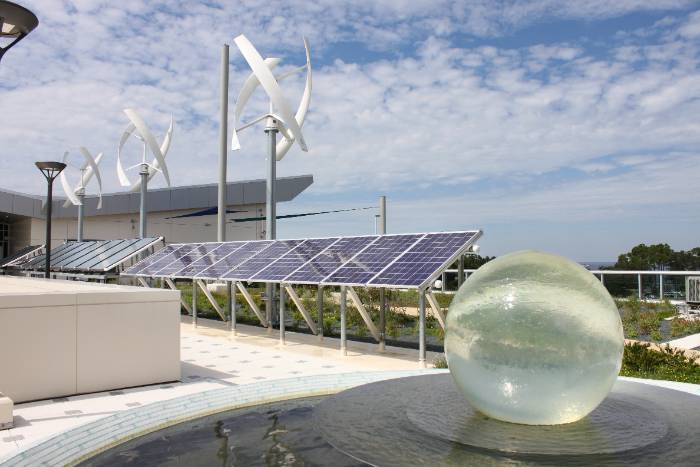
column 284, row 130
column 167, row 140
column 67, row 189
column 243, row 97
column 290, row 73
column 267, row 81
column 146, row 134
column 95, row 170
column 285, row 144
column 123, row 179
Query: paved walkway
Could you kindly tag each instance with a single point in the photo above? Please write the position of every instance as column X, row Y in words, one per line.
column 211, row 358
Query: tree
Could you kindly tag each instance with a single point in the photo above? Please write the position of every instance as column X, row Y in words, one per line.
column 476, row 261
column 658, row 257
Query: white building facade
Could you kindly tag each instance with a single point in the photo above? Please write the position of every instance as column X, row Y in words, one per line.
column 179, row 214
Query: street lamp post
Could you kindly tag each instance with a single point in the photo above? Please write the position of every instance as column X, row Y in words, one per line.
column 15, row 23
column 50, row 170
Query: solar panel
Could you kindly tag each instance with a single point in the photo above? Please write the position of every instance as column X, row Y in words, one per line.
column 203, row 262
column 423, row 259
column 153, row 270
column 181, row 261
column 147, row 262
column 24, row 254
column 235, row 258
column 293, row 259
column 61, row 254
column 259, row 261
column 119, row 254
column 40, row 260
column 75, row 261
column 406, row 260
column 316, row 269
column 369, row 262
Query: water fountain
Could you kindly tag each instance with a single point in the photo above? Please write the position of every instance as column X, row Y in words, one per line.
column 531, row 338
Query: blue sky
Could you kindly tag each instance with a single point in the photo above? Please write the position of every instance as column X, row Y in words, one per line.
column 568, row 127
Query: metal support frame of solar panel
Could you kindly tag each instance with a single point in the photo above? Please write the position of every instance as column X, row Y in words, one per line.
column 387, row 261
column 92, row 256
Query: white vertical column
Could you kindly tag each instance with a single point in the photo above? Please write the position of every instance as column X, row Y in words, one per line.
column 223, row 146
column 282, row 306
column 343, row 321
column 421, row 328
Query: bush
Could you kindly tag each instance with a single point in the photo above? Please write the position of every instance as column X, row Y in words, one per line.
column 440, row 362
column 640, row 361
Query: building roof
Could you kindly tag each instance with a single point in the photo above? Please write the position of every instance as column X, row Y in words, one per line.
column 13, row 204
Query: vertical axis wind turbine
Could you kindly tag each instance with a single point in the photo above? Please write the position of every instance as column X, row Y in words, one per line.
column 76, row 196
column 278, row 119
column 147, row 171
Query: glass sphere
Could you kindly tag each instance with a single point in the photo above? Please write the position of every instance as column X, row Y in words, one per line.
column 534, row 338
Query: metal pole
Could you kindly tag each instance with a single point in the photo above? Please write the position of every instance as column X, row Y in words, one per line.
column 223, row 147
column 639, row 286
column 343, row 324
column 421, row 328
column 194, row 303
column 661, row 287
column 460, row 271
column 382, row 320
column 49, row 202
column 231, row 295
column 81, row 213
column 270, row 206
column 282, row 305
column 144, row 189
column 382, row 291
column 319, row 309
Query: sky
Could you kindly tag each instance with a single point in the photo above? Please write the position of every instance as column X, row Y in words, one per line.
column 568, row 127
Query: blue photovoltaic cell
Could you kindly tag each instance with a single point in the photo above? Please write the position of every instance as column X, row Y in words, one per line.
column 181, row 261
column 199, row 265
column 422, row 260
column 256, row 263
column 152, row 269
column 329, row 260
column 370, row 261
column 150, row 260
column 217, row 270
column 294, row 259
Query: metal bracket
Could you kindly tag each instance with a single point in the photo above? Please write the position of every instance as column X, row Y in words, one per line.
column 251, row 303
column 297, row 301
column 143, row 282
column 184, row 304
column 211, row 298
column 436, row 309
column 363, row 312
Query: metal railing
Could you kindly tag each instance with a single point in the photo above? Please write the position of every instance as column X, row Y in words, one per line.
column 658, row 290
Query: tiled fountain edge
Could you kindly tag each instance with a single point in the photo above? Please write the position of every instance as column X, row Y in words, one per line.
column 80, row 443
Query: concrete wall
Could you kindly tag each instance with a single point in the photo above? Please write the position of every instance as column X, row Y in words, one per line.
column 59, row 338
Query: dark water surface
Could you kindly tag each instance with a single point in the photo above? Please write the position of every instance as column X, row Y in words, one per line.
column 268, row 435
column 424, row 420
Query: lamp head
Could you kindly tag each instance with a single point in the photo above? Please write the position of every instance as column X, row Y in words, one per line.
column 15, row 23
column 50, row 169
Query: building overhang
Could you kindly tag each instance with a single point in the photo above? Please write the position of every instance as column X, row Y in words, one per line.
column 17, row 205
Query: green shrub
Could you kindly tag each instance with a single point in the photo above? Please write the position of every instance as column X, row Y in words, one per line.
column 440, row 362
column 640, row 361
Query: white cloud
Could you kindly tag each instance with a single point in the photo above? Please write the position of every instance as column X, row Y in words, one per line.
column 446, row 115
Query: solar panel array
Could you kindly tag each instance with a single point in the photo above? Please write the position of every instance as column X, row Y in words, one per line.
column 90, row 256
column 406, row 260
